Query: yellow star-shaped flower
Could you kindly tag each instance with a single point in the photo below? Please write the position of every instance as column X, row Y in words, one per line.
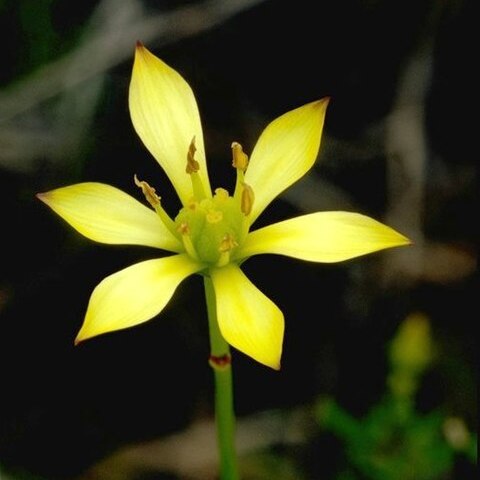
column 211, row 233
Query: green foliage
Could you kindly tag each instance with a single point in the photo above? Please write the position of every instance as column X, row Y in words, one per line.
column 394, row 441
column 268, row 465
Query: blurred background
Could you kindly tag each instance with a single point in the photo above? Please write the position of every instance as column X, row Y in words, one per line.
column 378, row 372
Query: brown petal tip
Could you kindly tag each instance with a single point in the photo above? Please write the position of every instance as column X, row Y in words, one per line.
column 42, row 197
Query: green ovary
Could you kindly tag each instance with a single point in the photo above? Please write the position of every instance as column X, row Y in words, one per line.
column 215, row 227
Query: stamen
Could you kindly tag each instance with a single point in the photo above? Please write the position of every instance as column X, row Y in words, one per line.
column 184, row 231
column 224, row 259
column 192, row 165
column 155, row 201
column 152, row 198
column 240, row 162
column 248, row 197
column 227, row 244
column 192, row 169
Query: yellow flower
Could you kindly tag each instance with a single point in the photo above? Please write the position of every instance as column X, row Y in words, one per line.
column 211, row 233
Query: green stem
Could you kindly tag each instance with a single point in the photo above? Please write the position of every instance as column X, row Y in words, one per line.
column 222, row 368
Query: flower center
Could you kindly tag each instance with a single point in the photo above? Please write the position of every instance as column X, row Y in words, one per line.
column 212, row 228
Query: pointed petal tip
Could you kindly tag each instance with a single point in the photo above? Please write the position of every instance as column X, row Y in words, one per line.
column 271, row 361
column 44, row 197
column 274, row 360
column 322, row 103
column 81, row 337
column 141, row 51
column 276, row 366
column 397, row 240
column 402, row 240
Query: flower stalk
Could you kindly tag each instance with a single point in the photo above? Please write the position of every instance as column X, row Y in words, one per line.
column 220, row 361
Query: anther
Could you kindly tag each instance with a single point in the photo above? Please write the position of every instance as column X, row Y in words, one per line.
column 192, row 165
column 239, row 157
column 240, row 162
column 192, row 169
column 228, row 243
column 192, row 205
column 248, row 197
column 184, row 229
column 152, row 198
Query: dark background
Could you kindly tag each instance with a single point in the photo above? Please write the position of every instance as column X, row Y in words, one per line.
column 63, row 120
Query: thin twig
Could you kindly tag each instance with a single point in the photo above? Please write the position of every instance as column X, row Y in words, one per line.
column 108, row 49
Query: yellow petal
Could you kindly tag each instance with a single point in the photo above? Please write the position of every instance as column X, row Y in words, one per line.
column 248, row 320
column 285, row 151
column 165, row 115
column 106, row 214
column 135, row 294
column 323, row 237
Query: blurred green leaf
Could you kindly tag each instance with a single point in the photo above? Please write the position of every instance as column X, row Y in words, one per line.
column 268, row 465
column 394, row 441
